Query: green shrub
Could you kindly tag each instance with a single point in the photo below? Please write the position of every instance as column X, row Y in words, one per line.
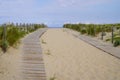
column 4, row 46
column 116, row 38
column 98, row 29
column 92, row 31
column 83, row 31
column 116, row 43
column 13, row 35
column 108, row 39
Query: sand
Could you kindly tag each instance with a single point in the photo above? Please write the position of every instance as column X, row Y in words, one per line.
column 69, row 58
column 10, row 64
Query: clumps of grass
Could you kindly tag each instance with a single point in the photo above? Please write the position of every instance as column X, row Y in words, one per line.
column 53, row 78
column 10, row 34
column 83, row 31
column 108, row 39
column 117, row 41
column 43, row 41
column 16, row 45
column 0, row 50
column 14, row 35
column 48, row 52
column 4, row 46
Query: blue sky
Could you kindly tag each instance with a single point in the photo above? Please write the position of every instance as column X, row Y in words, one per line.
column 55, row 13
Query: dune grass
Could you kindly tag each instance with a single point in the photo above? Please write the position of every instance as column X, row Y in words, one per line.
column 10, row 34
column 95, row 29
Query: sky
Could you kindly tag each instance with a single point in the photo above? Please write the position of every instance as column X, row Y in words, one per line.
column 55, row 13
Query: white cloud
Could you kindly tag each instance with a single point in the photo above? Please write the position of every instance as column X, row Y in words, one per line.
column 65, row 3
column 69, row 3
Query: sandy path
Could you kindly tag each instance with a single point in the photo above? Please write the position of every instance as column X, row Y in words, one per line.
column 68, row 58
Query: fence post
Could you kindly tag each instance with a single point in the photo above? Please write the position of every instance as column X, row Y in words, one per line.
column 94, row 30
column 112, row 39
column 4, row 32
column 4, row 42
column 102, row 33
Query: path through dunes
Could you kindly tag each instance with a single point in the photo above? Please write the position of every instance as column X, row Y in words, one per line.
column 69, row 58
column 32, row 59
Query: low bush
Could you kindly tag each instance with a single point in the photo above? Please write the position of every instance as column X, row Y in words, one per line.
column 107, row 39
column 13, row 35
column 116, row 41
column 83, row 31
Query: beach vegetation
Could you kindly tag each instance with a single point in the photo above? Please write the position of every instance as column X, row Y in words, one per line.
column 43, row 41
column 52, row 78
column 10, row 34
column 48, row 52
column 98, row 29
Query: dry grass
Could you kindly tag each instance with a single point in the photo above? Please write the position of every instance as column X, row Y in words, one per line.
column 48, row 52
column 43, row 41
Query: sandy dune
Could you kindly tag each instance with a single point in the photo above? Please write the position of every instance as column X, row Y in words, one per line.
column 68, row 58
column 10, row 64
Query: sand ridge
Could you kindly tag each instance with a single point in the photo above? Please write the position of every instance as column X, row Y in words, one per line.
column 69, row 58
